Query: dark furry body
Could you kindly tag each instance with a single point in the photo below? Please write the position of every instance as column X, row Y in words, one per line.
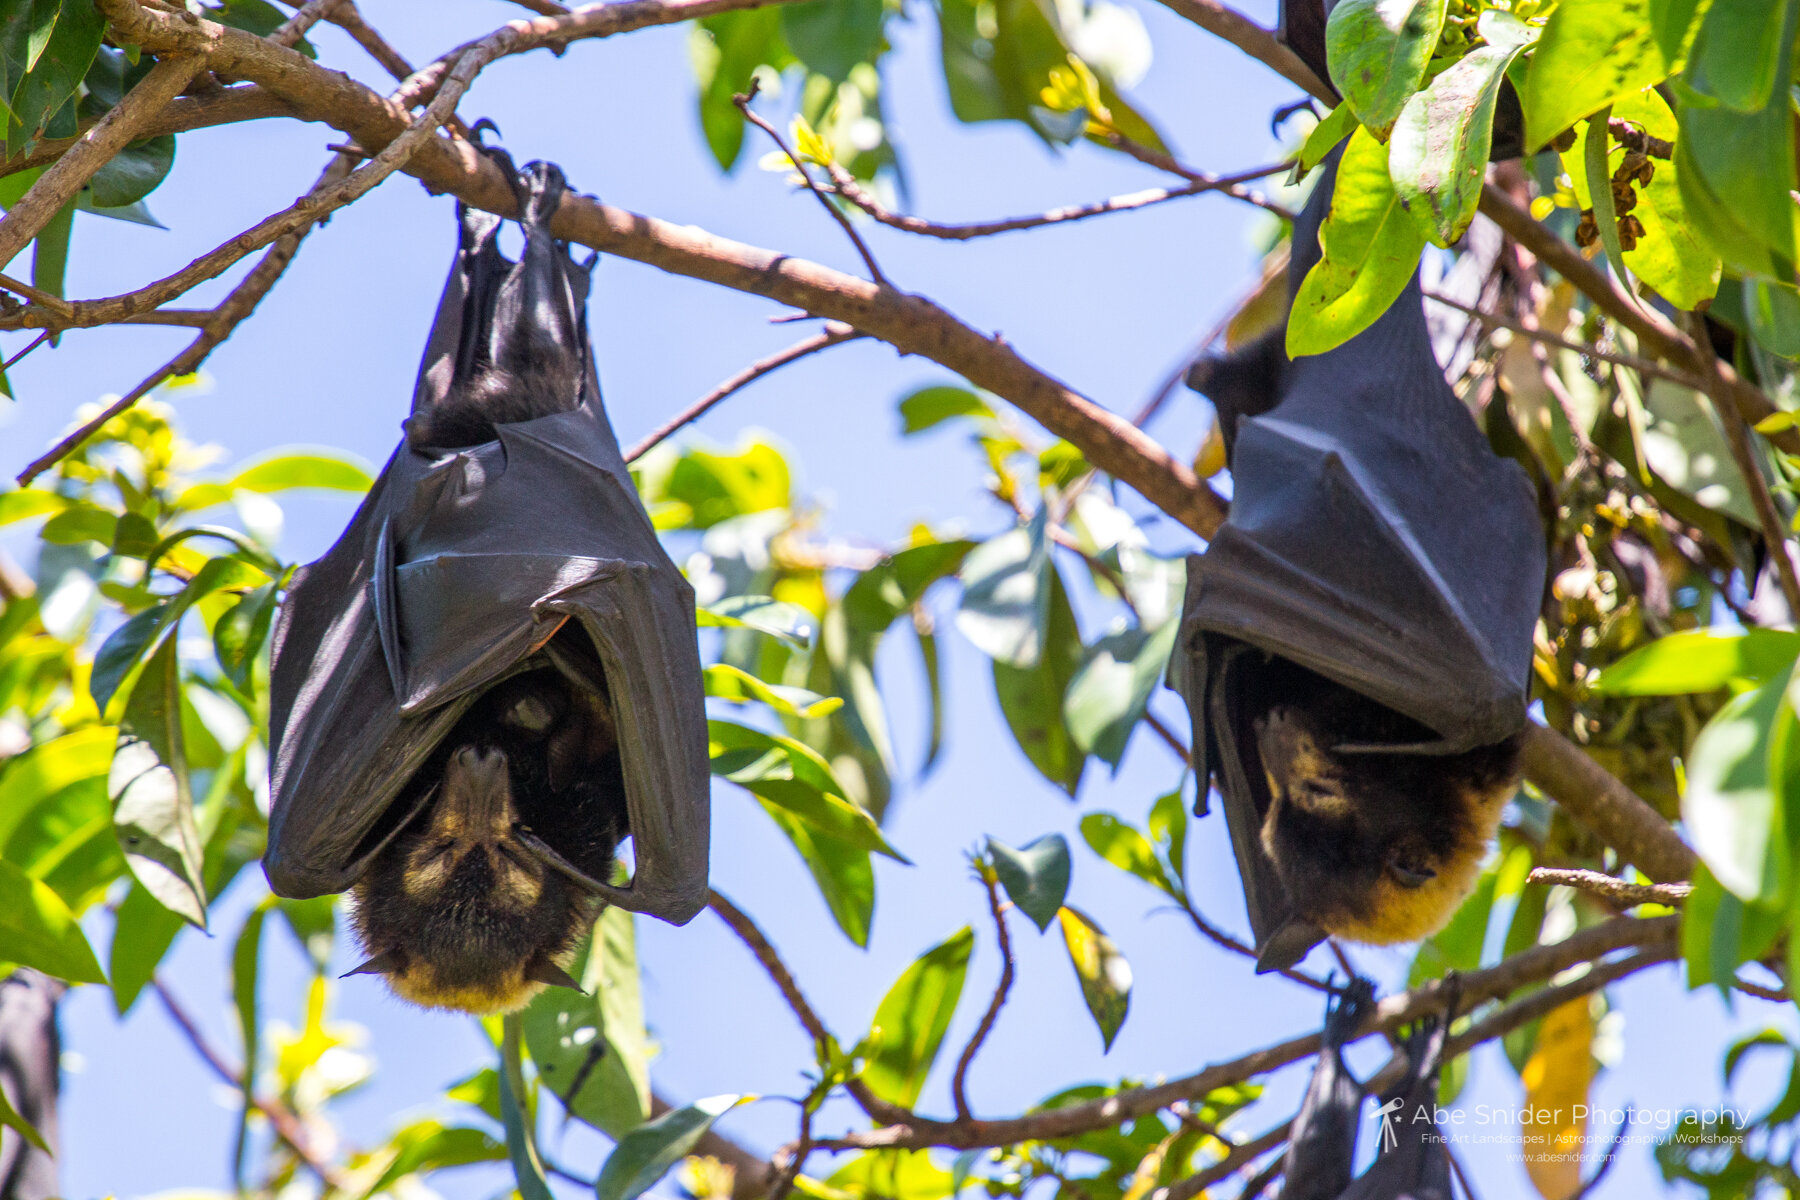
column 467, row 414
column 1374, row 846
column 487, row 925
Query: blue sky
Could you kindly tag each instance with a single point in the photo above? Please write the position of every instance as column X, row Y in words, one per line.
column 1107, row 305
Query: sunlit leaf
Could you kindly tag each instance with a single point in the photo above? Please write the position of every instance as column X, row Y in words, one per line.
column 913, row 1017
column 1102, row 971
column 1006, row 594
column 645, row 1155
column 1729, row 808
column 289, row 471
column 764, row 614
column 1378, row 51
column 153, row 809
column 1700, row 660
column 929, row 407
column 38, row 930
column 1592, row 54
column 1125, row 848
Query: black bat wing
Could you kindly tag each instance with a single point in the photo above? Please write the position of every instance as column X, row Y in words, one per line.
column 1375, row 539
column 1321, row 1154
column 459, row 568
column 1413, row 1161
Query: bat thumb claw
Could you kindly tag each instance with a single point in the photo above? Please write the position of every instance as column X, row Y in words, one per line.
column 382, row 964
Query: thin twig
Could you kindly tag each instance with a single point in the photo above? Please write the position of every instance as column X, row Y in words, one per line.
column 1168, row 737
column 1777, row 995
column 1226, row 942
column 294, row 28
column 1167, row 162
column 835, row 333
column 55, row 304
column 1743, row 452
column 959, row 1081
column 1637, row 363
column 793, row 1157
column 1601, row 884
column 57, row 186
column 772, row 965
column 845, row 184
column 742, row 100
column 217, row 326
column 282, row 1120
column 37, row 341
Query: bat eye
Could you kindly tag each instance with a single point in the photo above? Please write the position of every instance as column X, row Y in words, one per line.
column 1410, row 875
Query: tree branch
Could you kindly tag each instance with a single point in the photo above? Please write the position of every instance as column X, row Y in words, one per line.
column 282, row 1120
column 1606, row 886
column 834, row 334
column 1656, row 937
column 1226, row 22
column 959, row 1081
column 846, row 185
column 56, row 187
column 742, row 100
column 227, row 106
column 1621, row 818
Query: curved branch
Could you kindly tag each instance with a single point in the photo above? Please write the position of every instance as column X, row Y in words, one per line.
column 959, row 1080
column 1221, row 20
column 227, row 106
column 1618, row 815
column 1608, row 888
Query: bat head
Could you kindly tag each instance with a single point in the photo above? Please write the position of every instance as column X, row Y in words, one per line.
column 1371, row 846
column 477, row 902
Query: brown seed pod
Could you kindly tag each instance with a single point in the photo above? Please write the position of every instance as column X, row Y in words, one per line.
column 1630, row 230
column 1564, row 141
column 1588, row 232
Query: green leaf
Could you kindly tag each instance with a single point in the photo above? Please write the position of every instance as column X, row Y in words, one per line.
column 50, row 252
column 645, row 1155
column 10, row 1118
column 1006, row 593
column 1672, row 256
column 50, row 767
column 777, row 618
column 1700, row 660
column 790, row 775
column 1102, row 971
column 288, row 471
column 1370, row 250
column 718, row 487
column 1031, row 699
column 1736, row 57
column 520, row 1136
column 591, row 1050
column 1377, row 51
column 832, row 36
column 1774, row 311
column 132, row 173
column 1338, row 124
column 842, row 872
column 1606, row 217
column 1438, row 155
column 64, row 39
column 726, row 50
column 1168, row 825
column 1458, row 945
column 1745, row 162
column 881, row 594
column 80, row 522
column 239, row 634
column 1729, row 806
column 153, row 808
column 38, row 930
column 1125, row 848
column 121, row 658
column 1036, row 876
column 929, row 407
column 19, row 505
column 913, row 1017
column 730, row 683
column 1111, row 690
column 246, row 976
column 429, row 1146
column 1592, row 53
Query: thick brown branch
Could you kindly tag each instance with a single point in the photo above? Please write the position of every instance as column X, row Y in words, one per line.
column 959, row 1082
column 287, row 1126
column 125, row 121
column 833, row 335
column 845, row 185
column 1226, row 22
column 1610, row 888
column 910, row 323
column 1618, row 815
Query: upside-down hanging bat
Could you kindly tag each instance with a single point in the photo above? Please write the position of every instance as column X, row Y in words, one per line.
column 1412, row 1162
column 1356, row 641
column 492, row 677
column 1321, row 1150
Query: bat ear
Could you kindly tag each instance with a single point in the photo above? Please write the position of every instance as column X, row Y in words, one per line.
column 542, row 970
column 384, row 963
